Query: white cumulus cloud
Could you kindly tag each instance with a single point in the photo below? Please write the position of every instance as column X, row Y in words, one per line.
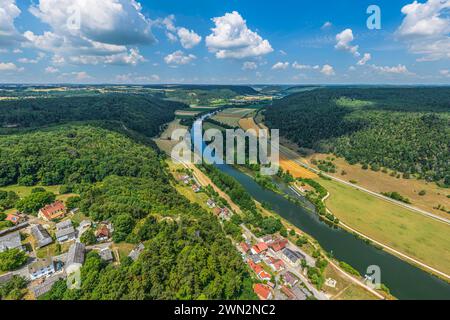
column 91, row 32
column 178, row 57
column 399, row 69
column 8, row 32
column 327, row 70
column 344, row 42
column 280, row 66
column 9, row 66
column 366, row 57
column 188, row 38
column 231, row 38
column 426, row 29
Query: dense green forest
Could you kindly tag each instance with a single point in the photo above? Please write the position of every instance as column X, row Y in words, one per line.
column 144, row 114
column 119, row 178
column 404, row 129
column 187, row 255
column 72, row 154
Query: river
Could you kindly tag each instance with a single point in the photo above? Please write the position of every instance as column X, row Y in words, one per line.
column 403, row 279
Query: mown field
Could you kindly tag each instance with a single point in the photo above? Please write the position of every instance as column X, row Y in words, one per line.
column 379, row 181
column 411, row 233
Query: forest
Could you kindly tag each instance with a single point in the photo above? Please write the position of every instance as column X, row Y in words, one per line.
column 403, row 129
column 120, row 178
column 143, row 114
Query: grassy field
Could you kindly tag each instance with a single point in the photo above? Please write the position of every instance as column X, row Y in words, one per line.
column 411, row 233
column 383, row 182
column 23, row 191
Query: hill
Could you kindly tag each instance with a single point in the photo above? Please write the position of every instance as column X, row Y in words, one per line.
column 404, row 129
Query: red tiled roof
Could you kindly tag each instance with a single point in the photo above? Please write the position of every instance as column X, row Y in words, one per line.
column 54, row 210
column 262, row 291
column 264, row 275
column 260, row 247
column 12, row 218
column 102, row 232
column 277, row 263
column 245, row 247
column 278, row 245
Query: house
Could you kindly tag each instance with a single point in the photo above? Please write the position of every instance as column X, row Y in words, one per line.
column 293, row 256
column 262, row 291
column 217, row 211
column 255, row 267
column 41, row 268
column 85, row 224
column 75, row 257
column 278, row 244
column 276, row 264
column 210, row 203
column 267, row 239
column 225, row 213
column 56, row 210
column 259, row 247
column 103, row 233
column 15, row 218
column 106, row 254
column 288, row 292
column 290, row 278
column 65, row 231
column 11, row 241
column 134, row 254
column 46, row 286
column 263, row 275
column 41, row 236
column 196, row 188
column 244, row 246
column 256, row 258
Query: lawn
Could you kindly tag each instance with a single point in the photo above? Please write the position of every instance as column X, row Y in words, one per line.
column 23, row 191
column 411, row 233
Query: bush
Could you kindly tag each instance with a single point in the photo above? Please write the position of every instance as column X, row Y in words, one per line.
column 12, row 259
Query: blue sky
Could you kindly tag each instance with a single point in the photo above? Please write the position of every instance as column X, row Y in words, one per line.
column 223, row 41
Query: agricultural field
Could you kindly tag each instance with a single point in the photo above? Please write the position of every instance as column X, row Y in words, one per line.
column 164, row 142
column 232, row 116
column 422, row 194
column 413, row 234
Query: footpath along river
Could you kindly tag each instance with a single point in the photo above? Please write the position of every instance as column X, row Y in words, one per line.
column 403, row 279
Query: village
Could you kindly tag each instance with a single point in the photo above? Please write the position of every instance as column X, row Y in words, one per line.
column 278, row 265
column 52, row 243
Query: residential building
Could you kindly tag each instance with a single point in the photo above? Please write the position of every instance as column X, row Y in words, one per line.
column 278, row 244
column 288, row 292
column 264, row 276
column 196, row 188
column 41, row 236
column 293, row 256
column 210, row 203
column 56, row 210
column 262, row 291
column 256, row 258
column 259, row 248
column 276, row 264
column 244, row 246
column 65, row 231
column 134, row 254
column 106, row 254
column 41, row 268
column 75, row 257
column 15, row 218
column 290, row 278
column 47, row 285
column 103, row 233
column 11, row 241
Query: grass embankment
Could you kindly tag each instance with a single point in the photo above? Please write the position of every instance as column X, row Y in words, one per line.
column 418, row 236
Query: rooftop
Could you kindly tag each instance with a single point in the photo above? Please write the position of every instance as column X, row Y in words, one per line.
column 10, row 241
